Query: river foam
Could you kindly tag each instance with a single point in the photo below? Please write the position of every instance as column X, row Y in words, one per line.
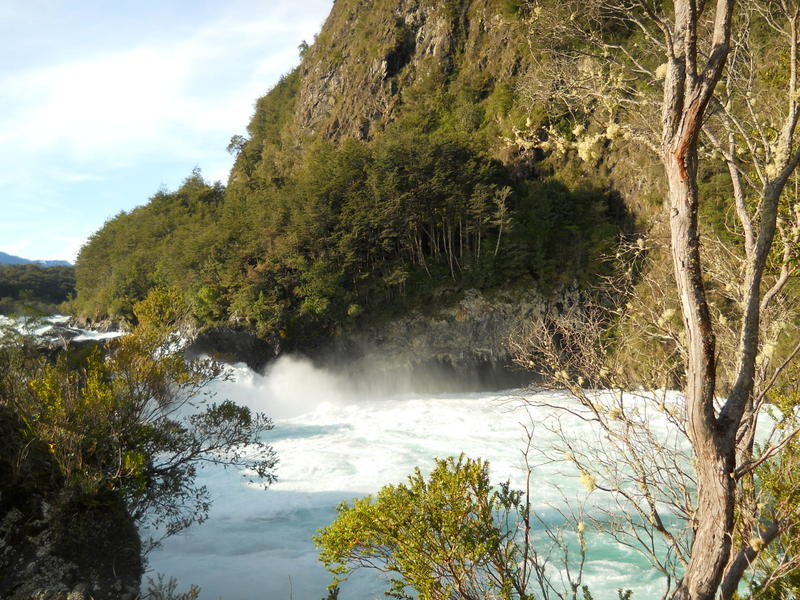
column 335, row 446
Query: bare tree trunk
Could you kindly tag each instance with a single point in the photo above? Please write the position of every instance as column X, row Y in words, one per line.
column 422, row 257
column 686, row 97
column 761, row 155
column 713, row 524
column 460, row 240
column 448, row 245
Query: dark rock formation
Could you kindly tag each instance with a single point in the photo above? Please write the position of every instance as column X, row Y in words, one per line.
column 101, row 325
column 232, row 345
column 57, row 544
column 464, row 347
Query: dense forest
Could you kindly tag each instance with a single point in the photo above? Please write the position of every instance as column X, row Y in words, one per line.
column 321, row 229
column 364, row 227
column 33, row 287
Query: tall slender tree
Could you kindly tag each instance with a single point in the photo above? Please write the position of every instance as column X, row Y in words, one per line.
column 707, row 77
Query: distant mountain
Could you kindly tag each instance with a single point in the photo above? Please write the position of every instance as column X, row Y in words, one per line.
column 52, row 263
column 9, row 259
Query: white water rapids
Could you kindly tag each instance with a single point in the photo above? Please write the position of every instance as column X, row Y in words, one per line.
column 53, row 329
column 335, row 445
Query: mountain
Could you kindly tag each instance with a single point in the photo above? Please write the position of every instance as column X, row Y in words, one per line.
column 9, row 259
column 378, row 178
column 53, row 263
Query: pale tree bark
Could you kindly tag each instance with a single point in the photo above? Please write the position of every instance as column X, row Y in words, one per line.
column 687, row 94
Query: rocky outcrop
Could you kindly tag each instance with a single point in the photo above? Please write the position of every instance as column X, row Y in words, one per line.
column 79, row 554
column 350, row 88
column 462, row 347
column 346, row 88
column 105, row 325
column 231, row 345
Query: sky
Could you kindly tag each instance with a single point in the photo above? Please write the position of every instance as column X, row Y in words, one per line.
column 104, row 103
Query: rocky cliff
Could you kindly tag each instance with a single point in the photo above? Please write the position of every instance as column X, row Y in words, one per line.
column 375, row 62
column 378, row 60
column 349, row 88
column 463, row 347
column 378, row 195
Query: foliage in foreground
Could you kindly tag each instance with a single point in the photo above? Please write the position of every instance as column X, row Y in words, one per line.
column 449, row 536
column 162, row 588
column 135, row 422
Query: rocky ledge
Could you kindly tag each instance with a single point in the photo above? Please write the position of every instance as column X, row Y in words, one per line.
column 464, row 347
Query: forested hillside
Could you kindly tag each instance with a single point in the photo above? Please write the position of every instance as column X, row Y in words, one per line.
column 380, row 175
column 10, row 259
column 31, row 286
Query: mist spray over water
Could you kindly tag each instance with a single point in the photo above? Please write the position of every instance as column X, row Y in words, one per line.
column 341, row 435
column 289, row 387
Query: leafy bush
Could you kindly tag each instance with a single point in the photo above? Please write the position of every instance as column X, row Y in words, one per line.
column 450, row 536
column 136, row 421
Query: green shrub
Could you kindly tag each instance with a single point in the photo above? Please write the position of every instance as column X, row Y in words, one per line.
column 450, row 535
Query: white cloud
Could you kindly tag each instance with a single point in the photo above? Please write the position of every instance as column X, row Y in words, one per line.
column 117, row 107
column 84, row 137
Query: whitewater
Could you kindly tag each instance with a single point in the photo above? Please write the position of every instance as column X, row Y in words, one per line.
column 337, row 442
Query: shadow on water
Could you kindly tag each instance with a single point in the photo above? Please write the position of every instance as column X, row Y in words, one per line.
column 373, row 376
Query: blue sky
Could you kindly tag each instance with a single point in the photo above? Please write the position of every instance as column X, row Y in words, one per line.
column 103, row 103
